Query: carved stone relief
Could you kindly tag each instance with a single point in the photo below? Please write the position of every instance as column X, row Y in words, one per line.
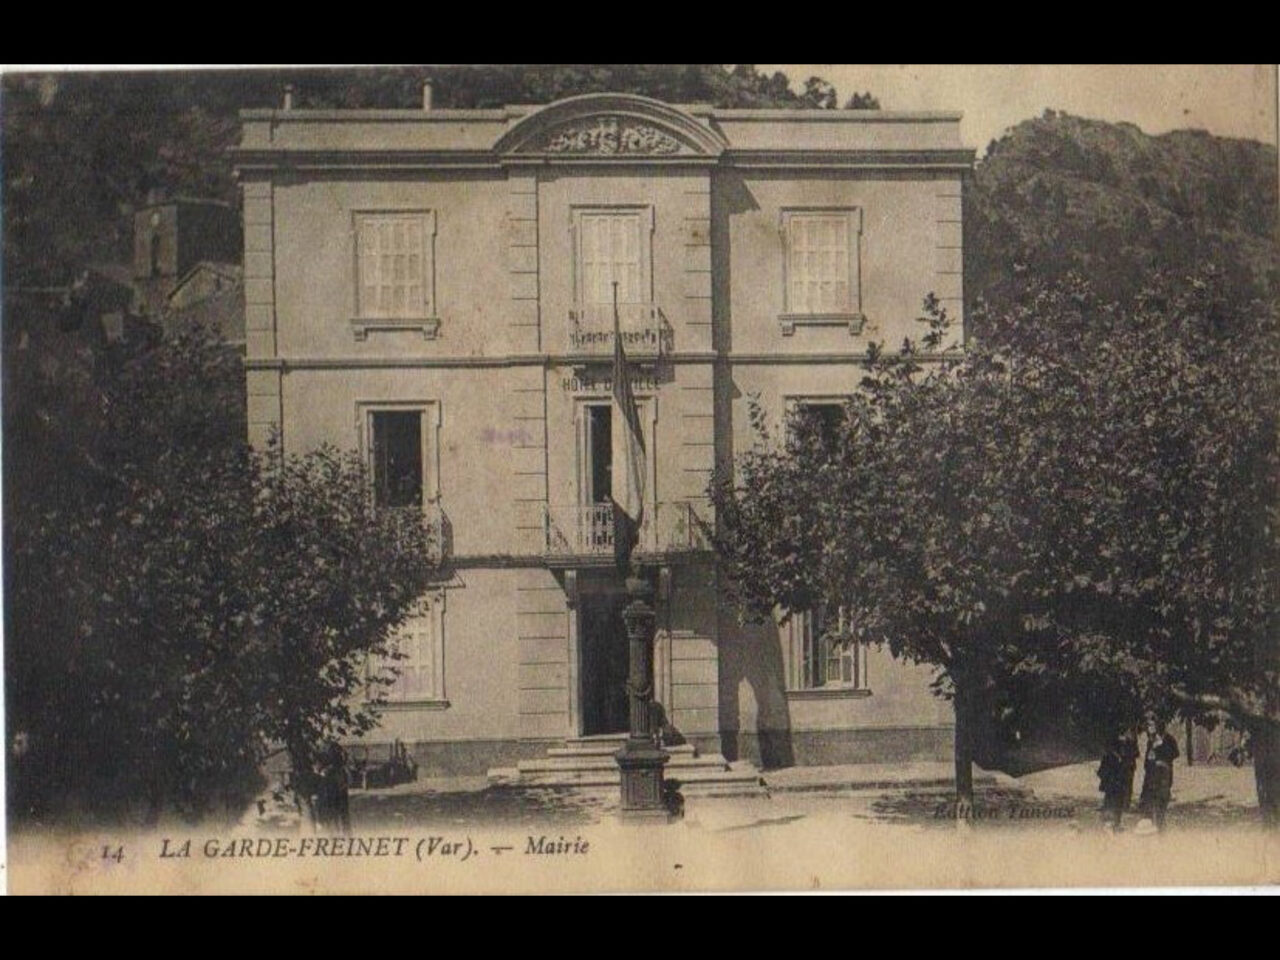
column 611, row 135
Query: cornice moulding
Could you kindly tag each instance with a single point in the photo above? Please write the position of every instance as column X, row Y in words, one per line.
column 560, row 360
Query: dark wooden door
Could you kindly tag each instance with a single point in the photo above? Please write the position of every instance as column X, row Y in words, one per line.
column 603, row 641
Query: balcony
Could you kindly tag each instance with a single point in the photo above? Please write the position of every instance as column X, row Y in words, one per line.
column 441, row 545
column 440, row 531
column 575, row 531
column 587, row 534
column 675, row 527
column 646, row 334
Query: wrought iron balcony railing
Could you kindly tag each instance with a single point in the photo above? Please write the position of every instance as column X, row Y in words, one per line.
column 675, row 527
column 645, row 331
column 591, row 531
column 436, row 524
column 441, row 545
column 574, row 530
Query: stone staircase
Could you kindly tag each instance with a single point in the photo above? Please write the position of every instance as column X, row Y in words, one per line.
column 588, row 763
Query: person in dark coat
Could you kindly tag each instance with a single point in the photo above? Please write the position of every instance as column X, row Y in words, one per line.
column 1157, row 774
column 1115, row 776
column 328, row 786
column 339, row 788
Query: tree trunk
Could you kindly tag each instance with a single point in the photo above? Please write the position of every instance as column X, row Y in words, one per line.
column 1265, row 735
column 1265, row 742
column 304, row 782
column 154, row 807
column 963, row 705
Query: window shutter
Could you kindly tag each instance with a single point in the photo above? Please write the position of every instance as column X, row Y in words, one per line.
column 611, row 250
column 417, row 641
column 819, row 263
column 394, row 263
column 367, row 240
column 796, row 267
column 591, row 267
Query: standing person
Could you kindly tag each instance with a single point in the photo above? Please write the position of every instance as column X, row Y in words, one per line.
column 336, row 789
column 1157, row 774
column 1115, row 777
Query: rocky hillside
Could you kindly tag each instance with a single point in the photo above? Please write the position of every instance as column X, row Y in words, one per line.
column 1063, row 193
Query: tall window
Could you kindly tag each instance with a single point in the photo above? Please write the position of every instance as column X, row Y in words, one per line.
column 602, row 452
column 394, row 265
column 612, row 245
column 400, row 442
column 397, row 457
column 600, row 439
column 831, row 657
column 419, row 641
column 821, row 265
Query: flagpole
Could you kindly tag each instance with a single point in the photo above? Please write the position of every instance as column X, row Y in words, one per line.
column 617, row 330
column 641, row 760
column 620, row 372
column 622, row 529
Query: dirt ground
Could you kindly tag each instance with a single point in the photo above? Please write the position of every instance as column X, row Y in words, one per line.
column 463, row 835
column 1063, row 798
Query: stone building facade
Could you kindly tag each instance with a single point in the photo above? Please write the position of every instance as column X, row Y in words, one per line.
column 435, row 288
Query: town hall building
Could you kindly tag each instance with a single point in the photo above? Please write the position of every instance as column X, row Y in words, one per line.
column 435, row 288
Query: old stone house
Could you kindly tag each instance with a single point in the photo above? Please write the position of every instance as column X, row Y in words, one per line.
column 434, row 287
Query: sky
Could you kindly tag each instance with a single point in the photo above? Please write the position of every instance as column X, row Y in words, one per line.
column 1228, row 100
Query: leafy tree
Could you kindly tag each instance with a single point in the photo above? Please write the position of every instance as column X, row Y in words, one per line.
column 332, row 580
column 862, row 101
column 111, row 612
column 177, row 606
column 1084, row 501
column 819, row 94
column 1167, row 482
column 904, row 520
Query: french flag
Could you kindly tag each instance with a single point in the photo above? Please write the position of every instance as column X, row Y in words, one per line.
column 629, row 495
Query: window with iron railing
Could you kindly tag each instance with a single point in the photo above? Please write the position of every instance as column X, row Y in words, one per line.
column 397, row 458
column 399, row 441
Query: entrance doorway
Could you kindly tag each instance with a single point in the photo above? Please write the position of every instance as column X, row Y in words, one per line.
column 603, row 642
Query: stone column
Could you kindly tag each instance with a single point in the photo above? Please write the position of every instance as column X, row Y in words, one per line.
column 640, row 760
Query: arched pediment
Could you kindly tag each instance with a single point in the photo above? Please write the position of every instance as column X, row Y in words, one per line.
column 609, row 126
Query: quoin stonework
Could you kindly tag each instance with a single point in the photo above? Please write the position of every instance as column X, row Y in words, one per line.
column 435, row 288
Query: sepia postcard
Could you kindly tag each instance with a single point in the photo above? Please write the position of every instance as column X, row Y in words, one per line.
column 640, row 478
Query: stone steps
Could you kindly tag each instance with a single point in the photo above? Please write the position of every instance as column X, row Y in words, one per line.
column 718, row 781
column 610, row 747
column 593, row 763
column 587, row 763
column 733, row 780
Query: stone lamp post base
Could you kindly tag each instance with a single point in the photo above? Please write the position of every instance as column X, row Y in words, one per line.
column 642, row 783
